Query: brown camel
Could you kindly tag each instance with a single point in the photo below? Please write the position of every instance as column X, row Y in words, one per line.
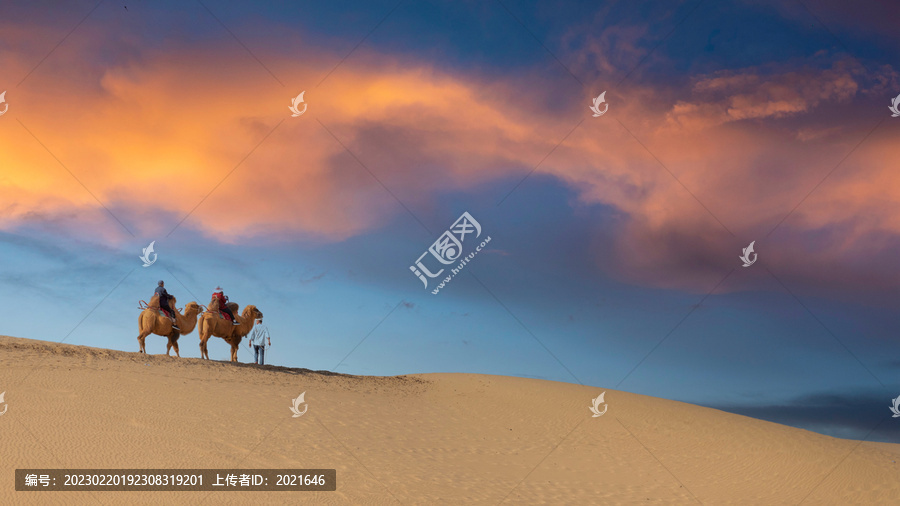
column 212, row 324
column 151, row 322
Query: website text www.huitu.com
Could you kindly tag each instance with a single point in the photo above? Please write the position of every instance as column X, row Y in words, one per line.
column 456, row 270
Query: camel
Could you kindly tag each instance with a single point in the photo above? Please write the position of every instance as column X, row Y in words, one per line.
column 212, row 324
column 151, row 322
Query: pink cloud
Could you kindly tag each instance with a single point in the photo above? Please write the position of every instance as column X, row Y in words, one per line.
column 152, row 140
column 734, row 96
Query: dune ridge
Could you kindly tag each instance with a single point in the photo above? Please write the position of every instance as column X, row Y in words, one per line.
column 440, row 438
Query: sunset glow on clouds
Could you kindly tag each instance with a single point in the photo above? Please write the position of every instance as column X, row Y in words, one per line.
column 150, row 137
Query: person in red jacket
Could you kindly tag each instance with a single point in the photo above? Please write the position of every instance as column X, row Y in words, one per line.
column 223, row 304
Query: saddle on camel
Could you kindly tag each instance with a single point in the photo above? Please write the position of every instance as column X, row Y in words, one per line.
column 220, row 306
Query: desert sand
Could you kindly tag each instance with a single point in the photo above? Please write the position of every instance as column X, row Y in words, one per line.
column 415, row 439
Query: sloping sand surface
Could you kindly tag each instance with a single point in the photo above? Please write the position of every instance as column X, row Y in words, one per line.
column 417, row 439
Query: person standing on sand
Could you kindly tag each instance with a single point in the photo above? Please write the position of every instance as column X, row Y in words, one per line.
column 258, row 342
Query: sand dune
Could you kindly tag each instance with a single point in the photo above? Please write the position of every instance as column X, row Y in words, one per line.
column 417, row 439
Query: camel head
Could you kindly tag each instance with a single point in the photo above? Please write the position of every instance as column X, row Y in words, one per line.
column 250, row 313
column 192, row 308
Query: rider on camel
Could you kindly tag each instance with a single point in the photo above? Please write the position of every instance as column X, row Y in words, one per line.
column 223, row 304
column 164, row 299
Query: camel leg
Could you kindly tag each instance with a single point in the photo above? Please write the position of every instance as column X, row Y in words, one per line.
column 141, row 338
column 172, row 339
column 203, row 331
column 175, row 346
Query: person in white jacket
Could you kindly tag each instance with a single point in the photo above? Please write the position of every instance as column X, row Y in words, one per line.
column 259, row 342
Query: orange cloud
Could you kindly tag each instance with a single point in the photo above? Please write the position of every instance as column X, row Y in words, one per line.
column 733, row 96
column 152, row 140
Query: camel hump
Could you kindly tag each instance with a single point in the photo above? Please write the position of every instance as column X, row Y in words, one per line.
column 154, row 301
column 233, row 307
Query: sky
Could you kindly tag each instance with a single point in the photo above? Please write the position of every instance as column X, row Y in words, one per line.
column 613, row 258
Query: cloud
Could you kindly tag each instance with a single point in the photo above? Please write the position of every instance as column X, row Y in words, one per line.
column 729, row 160
column 191, row 135
column 729, row 96
column 187, row 133
column 853, row 414
column 312, row 279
